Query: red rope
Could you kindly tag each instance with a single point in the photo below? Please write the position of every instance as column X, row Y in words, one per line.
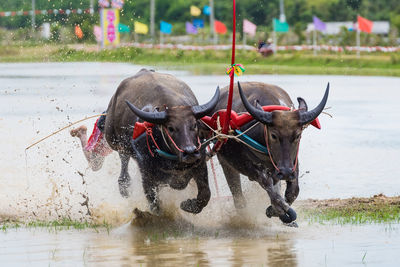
column 176, row 146
column 269, row 152
column 225, row 128
column 149, row 132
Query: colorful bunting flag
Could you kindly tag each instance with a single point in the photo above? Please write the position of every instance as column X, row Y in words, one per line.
column 220, row 27
column 198, row 23
column 206, row 10
column 117, row 4
column 123, row 28
column 319, row 25
column 165, row 27
column 190, row 28
column 140, row 27
column 78, row 32
column 280, row 26
column 364, row 24
column 195, row 11
column 44, row 12
column 249, row 27
column 104, row 3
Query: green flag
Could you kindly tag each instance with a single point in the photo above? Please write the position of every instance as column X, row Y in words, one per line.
column 280, row 26
column 123, row 28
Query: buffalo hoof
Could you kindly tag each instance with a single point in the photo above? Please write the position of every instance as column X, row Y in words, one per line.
column 123, row 190
column 191, row 205
column 292, row 224
column 289, row 216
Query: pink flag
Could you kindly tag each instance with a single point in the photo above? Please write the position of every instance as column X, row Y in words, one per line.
column 97, row 33
column 249, row 27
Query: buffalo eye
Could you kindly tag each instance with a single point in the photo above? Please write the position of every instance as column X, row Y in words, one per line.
column 170, row 129
column 297, row 137
column 193, row 127
column 273, row 136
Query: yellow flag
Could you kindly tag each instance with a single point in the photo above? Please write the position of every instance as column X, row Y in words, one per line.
column 110, row 21
column 141, row 27
column 195, row 11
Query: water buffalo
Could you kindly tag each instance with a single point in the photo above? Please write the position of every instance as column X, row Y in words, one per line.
column 280, row 131
column 170, row 105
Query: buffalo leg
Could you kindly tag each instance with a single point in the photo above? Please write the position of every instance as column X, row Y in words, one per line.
column 292, row 191
column 196, row 205
column 233, row 180
column 278, row 207
column 151, row 192
column 124, row 179
column 94, row 159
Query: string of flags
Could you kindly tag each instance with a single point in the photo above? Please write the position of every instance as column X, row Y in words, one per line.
column 45, row 12
column 118, row 4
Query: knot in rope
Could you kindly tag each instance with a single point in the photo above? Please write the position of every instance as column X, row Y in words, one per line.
column 236, row 69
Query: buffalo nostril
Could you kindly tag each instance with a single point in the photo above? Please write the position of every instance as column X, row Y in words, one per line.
column 279, row 175
column 189, row 150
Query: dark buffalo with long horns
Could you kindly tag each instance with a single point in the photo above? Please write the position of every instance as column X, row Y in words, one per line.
column 279, row 132
column 170, row 105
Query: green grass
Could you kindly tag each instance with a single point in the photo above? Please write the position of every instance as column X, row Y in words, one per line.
column 57, row 225
column 214, row 61
column 363, row 213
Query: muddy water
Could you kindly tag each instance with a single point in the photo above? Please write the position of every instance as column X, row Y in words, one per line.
column 356, row 154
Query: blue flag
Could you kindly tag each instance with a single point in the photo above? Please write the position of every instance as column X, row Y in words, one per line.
column 206, row 10
column 198, row 23
column 280, row 26
column 165, row 27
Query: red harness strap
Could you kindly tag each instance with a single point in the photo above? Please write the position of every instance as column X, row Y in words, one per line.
column 237, row 121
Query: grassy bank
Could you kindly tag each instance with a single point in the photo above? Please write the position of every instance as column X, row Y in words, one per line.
column 377, row 209
column 215, row 61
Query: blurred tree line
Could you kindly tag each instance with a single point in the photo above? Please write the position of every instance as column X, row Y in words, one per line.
column 261, row 12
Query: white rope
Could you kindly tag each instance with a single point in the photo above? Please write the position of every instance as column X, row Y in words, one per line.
column 220, row 135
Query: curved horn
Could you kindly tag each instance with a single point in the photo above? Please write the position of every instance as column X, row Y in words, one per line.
column 309, row 116
column 152, row 117
column 202, row 110
column 260, row 115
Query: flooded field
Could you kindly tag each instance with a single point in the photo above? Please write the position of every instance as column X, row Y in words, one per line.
column 355, row 154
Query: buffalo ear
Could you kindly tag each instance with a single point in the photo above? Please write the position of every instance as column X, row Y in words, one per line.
column 302, row 104
column 258, row 105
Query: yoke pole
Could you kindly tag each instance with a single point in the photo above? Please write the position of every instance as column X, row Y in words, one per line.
column 225, row 127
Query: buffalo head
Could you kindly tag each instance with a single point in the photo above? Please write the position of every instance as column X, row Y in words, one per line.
column 180, row 127
column 282, row 132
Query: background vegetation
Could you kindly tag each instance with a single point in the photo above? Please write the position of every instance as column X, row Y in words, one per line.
column 261, row 12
